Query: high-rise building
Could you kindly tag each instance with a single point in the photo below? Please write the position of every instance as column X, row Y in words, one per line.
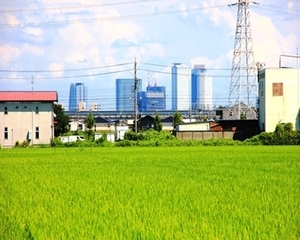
column 125, row 94
column 201, row 88
column 181, row 93
column 153, row 99
column 77, row 97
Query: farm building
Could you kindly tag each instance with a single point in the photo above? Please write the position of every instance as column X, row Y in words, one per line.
column 26, row 116
column 279, row 97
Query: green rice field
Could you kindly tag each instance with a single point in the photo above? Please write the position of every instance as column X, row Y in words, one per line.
column 236, row 192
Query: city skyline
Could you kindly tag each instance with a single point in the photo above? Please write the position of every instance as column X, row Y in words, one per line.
column 46, row 45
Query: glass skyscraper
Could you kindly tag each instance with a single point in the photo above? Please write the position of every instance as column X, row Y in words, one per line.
column 77, row 97
column 181, row 91
column 153, row 99
column 125, row 94
column 201, row 88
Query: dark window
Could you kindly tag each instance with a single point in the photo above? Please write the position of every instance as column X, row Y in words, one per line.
column 277, row 89
column 6, row 133
column 37, row 132
column 5, row 110
column 36, row 110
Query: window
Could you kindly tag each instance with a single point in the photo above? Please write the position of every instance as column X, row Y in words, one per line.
column 277, row 89
column 5, row 110
column 36, row 110
column 37, row 132
column 6, row 133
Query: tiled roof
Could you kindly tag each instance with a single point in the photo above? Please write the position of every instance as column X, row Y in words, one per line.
column 28, row 96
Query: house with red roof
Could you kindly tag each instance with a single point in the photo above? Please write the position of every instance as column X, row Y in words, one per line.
column 26, row 116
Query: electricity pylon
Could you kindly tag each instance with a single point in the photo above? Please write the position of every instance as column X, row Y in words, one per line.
column 243, row 83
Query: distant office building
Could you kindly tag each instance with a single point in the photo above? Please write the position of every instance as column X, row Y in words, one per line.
column 77, row 97
column 181, row 93
column 201, row 88
column 153, row 99
column 125, row 94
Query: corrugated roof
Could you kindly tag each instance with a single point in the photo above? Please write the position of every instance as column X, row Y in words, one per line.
column 28, row 96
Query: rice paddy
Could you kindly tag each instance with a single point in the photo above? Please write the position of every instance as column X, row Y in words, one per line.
column 150, row 193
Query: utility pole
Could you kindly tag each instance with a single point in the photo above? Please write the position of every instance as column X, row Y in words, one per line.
column 136, row 81
column 243, row 83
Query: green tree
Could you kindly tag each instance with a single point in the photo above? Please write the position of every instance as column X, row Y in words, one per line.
column 243, row 116
column 61, row 120
column 177, row 118
column 89, row 124
column 157, row 123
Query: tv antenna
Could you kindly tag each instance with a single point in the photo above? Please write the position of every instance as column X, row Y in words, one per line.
column 32, row 83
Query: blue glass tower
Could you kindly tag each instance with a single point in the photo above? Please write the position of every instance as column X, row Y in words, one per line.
column 153, row 99
column 201, row 91
column 125, row 94
column 78, row 95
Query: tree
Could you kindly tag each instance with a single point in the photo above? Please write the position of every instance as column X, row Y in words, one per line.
column 89, row 124
column 177, row 118
column 61, row 120
column 157, row 123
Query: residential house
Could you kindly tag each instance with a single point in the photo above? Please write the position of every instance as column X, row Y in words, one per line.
column 26, row 116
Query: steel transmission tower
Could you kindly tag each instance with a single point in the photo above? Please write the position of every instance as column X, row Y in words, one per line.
column 243, row 83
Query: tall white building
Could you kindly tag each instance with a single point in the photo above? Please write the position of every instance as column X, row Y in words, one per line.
column 181, row 90
column 201, row 88
column 279, row 97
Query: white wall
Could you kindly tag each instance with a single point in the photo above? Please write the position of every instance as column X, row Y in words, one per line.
column 22, row 119
column 278, row 109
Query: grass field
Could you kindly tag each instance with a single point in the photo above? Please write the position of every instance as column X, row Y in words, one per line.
column 150, row 193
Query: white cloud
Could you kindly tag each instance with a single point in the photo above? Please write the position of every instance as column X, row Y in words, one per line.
column 8, row 54
column 37, row 32
column 219, row 16
column 77, row 34
column 290, row 5
column 32, row 49
column 57, row 69
column 269, row 42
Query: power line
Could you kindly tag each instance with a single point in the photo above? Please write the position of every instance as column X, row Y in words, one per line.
column 277, row 9
column 75, row 7
column 76, row 76
column 65, row 70
column 144, row 15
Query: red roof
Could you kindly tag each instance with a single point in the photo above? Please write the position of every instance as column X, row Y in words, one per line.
column 28, row 96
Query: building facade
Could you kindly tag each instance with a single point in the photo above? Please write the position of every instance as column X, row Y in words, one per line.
column 201, row 89
column 26, row 116
column 153, row 99
column 181, row 90
column 77, row 97
column 125, row 94
column 279, row 97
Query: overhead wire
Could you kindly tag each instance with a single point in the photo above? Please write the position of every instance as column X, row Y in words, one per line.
column 66, row 70
column 91, row 20
column 75, row 7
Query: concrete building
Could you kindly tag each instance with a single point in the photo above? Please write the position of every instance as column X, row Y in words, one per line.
column 201, row 90
column 181, row 87
column 125, row 94
column 78, row 97
column 26, row 116
column 279, row 97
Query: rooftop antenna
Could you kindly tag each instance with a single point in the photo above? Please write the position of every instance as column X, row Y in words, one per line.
column 243, row 84
column 32, row 83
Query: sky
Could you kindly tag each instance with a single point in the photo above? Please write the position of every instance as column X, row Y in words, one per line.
column 47, row 44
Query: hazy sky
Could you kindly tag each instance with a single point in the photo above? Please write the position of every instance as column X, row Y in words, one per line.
column 57, row 42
